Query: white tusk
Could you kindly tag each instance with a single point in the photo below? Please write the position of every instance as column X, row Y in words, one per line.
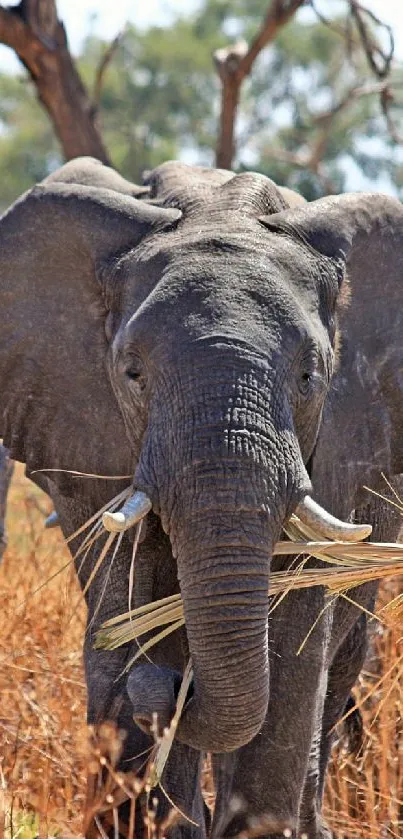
column 135, row 508
column 326, row 525
column 52, row 520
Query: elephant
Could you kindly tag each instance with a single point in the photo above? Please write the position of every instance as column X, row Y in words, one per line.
column 234, row 353
column 6, row 471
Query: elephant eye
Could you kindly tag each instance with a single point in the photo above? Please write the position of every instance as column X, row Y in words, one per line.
column 134, row 375
column 138, row 378
column 311, row 375
column 134, row 371
column 305, row 382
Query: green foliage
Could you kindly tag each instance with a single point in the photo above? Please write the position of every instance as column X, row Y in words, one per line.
column 28, row 148
column 157, row 96
column 160, row 100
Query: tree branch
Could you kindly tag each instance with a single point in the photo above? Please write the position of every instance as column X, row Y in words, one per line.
column 371, row 48
column 304, row 161
column 15, row 34
column 34, row 32
column 387, row 98
column 379, row 59
column 235, row 63
column 311, row 158
column 106, row 59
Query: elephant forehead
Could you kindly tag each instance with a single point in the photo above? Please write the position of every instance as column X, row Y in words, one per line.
column 238, row 276
column 217, row 243
column 194, row 188
column 242, row 261
column 244, row 295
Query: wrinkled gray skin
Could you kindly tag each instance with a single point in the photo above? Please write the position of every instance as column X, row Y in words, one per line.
column 184, row 334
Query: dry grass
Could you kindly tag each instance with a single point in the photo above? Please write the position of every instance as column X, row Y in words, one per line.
column 42, row 711
column 364, row 798
column 43, row 739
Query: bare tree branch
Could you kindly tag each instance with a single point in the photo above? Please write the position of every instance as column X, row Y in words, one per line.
column 361, row 29
column 310, row 158
column 103, row 65
column 379, row 59
column 351, row 95
column 33, row 31
column 371, row 48
column 304, row 161
column 235, row 63
column 387, row 98
column 362, row 37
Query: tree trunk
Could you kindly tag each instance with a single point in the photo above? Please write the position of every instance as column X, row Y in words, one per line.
column 33, row 31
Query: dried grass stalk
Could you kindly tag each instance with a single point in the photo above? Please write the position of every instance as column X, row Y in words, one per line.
column 348, row 565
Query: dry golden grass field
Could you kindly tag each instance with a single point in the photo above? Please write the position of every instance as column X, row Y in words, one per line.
column 43, row 737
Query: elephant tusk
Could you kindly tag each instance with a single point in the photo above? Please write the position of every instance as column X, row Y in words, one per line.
column 135, row 508
column 326, row 525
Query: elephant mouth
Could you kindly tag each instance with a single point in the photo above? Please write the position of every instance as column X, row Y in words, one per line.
column 310, row 513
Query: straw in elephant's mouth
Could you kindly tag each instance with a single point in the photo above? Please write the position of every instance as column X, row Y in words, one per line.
column 344, row 565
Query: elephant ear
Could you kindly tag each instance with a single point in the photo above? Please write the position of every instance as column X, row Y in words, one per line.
column 57, row 407
column 338, row 225
column 365, row 231
column 88, row 171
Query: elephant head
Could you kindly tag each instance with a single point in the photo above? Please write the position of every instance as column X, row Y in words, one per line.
column 185, row 337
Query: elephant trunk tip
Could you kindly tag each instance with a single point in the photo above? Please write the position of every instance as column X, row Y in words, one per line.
column 153, row 691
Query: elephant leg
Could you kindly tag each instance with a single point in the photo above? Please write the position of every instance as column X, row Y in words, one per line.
column 342, row 676
column 180, row 789
column 177, row 801
column 182, row 781
column 264, row 780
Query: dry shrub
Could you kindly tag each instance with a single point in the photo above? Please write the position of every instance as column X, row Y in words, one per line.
column 42, row 713
column 43, row 738
column 364, row 796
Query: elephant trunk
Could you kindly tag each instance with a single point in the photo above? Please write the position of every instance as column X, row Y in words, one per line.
column 222, row 530
column 223, row 567
column 223, row 478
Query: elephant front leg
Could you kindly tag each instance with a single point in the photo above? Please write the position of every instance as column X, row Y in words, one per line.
column 179, row 796
column 343, row 673
column 265, row 779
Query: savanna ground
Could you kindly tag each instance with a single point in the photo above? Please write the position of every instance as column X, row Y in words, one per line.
column 43, row 737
